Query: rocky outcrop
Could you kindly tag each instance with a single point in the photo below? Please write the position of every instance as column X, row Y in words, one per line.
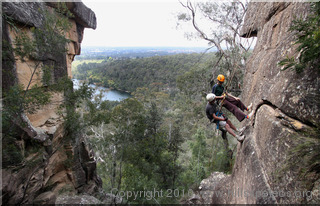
column 47, row 162
column 286, row 106
column 30, row 14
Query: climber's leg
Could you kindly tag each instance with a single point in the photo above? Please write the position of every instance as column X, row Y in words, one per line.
column 237, row 103
column 231, row 125
column 234, row 110
column 227, row 126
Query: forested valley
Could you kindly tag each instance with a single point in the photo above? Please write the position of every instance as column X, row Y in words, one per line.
column 63, row 143
column 160, row 140
column 129, row 74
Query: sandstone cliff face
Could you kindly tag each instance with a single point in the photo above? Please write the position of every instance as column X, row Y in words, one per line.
column 52, row 165
column 28, row 15
column 285, row 104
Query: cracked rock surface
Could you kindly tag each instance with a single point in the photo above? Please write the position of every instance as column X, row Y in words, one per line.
column 286, row 105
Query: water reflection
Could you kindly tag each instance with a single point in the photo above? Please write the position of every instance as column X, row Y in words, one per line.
column 107, row 94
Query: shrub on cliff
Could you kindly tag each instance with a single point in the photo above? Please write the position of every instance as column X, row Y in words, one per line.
column 308, row 40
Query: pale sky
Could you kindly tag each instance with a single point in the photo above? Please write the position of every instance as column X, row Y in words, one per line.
column 136, row 23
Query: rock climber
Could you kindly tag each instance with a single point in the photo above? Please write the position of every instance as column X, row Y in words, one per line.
column 231, row 103
column 220, row 119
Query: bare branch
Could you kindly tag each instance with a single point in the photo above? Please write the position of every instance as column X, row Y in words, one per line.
column 202, row 34
column 226, row 37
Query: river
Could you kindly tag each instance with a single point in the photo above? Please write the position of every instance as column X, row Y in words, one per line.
column 107, row 94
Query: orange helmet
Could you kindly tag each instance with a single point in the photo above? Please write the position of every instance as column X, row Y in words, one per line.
column 220, row 78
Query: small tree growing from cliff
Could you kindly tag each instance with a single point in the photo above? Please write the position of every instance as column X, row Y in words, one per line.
column 308, row 41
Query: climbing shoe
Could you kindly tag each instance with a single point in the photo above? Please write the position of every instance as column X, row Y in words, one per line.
column 249, row 107
column 240, row 138
column 240, row 131
column 250, row 115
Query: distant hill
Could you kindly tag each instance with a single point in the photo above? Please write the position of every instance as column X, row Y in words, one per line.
column 135, row 52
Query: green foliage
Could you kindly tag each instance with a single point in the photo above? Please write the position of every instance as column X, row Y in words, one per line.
column 130, row 74
column 302, row 159
column 136, row 180
column 138, row 154
column 200, row 155
column 8, row 59
column 307, row 152
column 36, row 47
column 35, row 161
column 15, row 101
column 40, row 44
column 128, row 118
column 98, row 112
column 37, row 96
column 11, row 153
column 68, row 163
column 47, row 75
column 232, row 49
column 308, row 41
column 221, row 161
column 73, row 122
column 188, row 82
column 142, row 143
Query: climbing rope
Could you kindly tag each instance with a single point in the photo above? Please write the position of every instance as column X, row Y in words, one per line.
column 226, row 87
column 233, row 72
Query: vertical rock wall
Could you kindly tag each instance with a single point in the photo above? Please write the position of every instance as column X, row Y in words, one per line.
column 54, row 165
column 286, row 106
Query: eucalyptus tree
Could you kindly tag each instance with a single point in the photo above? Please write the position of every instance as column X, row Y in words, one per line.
column 219, row 23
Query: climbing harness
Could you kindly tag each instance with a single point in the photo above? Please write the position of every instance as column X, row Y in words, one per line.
column 218, row 113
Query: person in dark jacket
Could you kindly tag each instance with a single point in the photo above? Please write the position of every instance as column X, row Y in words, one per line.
column 231, row 103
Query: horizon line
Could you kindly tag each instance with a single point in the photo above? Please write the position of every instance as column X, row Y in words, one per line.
column 146, row 46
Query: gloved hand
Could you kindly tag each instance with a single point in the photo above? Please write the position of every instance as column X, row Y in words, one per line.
column 226, row 119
